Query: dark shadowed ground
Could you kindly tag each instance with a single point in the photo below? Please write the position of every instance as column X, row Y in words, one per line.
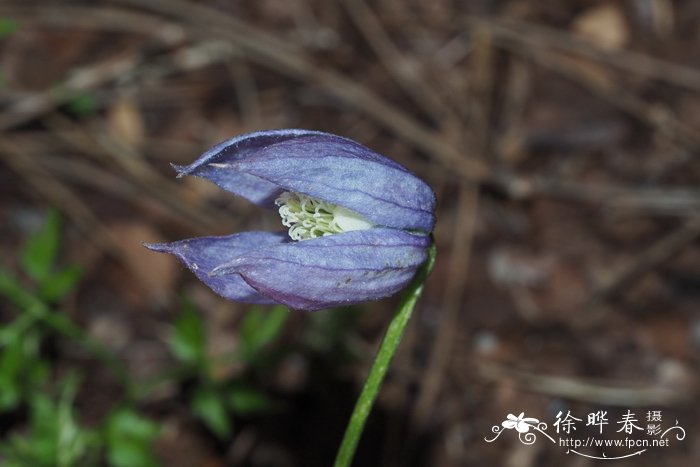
column 562, row 140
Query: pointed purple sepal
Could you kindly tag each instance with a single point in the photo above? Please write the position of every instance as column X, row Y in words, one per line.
column 201, row 255
column 259, row 166
column 334, row 270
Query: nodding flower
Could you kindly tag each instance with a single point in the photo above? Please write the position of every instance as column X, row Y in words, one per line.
column 358, row 223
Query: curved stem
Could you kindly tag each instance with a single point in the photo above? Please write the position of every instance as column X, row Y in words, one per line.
column 386, row 352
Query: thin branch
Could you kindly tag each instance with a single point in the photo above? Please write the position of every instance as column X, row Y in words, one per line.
column 590, row 391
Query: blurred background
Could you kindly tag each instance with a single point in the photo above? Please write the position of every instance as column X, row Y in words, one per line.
column 561, row 139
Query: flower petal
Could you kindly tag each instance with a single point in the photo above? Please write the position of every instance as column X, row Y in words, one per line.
column 255, row 189
column 259, row 166
column 201, row 255
column 334, row 270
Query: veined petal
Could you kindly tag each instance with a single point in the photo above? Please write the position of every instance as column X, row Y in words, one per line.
column 334, row 270
column 259, row 166
column 201, row 255
column 213, row 164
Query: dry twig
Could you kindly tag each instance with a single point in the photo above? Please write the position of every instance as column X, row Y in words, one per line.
column 590, row 391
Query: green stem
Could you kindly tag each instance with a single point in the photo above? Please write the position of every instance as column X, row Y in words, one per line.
column 386, row 352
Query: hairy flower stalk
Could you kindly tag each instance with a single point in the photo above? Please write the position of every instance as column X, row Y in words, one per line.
column 358, row 223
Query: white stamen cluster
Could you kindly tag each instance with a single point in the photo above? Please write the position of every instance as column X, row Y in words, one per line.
column 309, row 218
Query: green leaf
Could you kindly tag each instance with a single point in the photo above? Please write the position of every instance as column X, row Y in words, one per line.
column 75, row 445
column 12, row 289
column 244, row 400
column 81, row 103
column 259, row 328
column 58, row 285
column 11, row 361
column 16, row 452
column 187, row 340
column 54, row 437
column 209, row 406
column 8, row 26
column 40, row 251
column 13, row 331
column 78, row 102
column 128, row 454
column 129, row 437
column 127, row 423
column 38, row 372
column 21, row 368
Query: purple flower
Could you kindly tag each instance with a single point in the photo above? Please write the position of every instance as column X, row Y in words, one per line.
column 359, row 223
